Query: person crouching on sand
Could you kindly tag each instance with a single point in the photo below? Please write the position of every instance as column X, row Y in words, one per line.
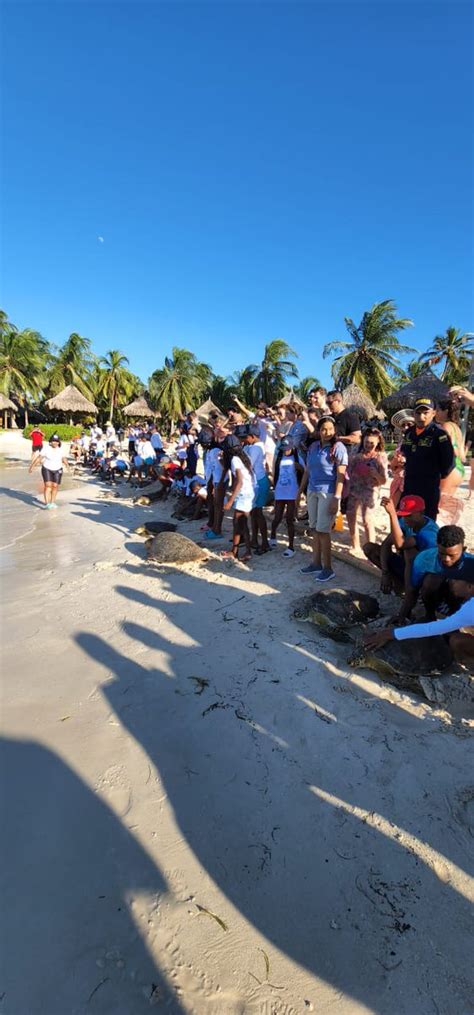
column 52, row 464
column 458, row 627
column 242, row 494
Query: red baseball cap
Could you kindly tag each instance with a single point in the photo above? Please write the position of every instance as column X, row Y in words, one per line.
column 409, row 504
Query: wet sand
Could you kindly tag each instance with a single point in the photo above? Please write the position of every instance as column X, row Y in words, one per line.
column 204, row 809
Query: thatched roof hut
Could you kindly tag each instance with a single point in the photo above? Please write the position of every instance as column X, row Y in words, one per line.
column 426, row 384
column 139, row 409
column 290, row 399
column 207, row 407
column 6, row 403
column 9, row 409
column 71, row 401
column 360, row 402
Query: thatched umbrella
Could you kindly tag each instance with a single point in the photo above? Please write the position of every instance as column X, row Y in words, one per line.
column 205, row 409
column 72, row 401
column 139, row 409
column 360, row 402
column 427, row 384
column 8, row 408
column 290, row 399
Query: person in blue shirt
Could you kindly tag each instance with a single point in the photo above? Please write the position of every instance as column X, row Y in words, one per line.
column 411, row 531
column 459, row 627
column 434, row 570
column 326, row 466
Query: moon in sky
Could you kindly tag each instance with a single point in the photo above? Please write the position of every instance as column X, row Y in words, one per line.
column 100, row 239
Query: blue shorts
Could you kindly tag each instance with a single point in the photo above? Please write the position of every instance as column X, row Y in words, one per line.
column 262, row 492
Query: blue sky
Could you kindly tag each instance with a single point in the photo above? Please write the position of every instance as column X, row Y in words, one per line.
column 255, row 170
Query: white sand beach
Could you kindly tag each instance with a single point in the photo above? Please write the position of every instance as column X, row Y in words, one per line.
column 205, row 810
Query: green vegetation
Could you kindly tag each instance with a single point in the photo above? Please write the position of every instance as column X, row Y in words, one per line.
column 454, row 350
column 63, row 430
column 33, row 369
column 371, row 358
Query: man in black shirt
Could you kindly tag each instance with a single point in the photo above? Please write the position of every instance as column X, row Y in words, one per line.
column 429, row 456
column 347, row 422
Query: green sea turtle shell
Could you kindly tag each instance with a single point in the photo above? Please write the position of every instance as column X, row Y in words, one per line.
column 335, row 611
column 418, row 657
column 173, row 548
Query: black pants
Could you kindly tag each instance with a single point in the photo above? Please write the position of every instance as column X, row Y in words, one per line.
column 429, row 493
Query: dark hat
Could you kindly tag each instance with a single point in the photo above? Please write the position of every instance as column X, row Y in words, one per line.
column 253, row 429
column 230, row 442
column 54, row 437
column 241, row 430
column 424, row 403
column 205, row 438
column 287, row 443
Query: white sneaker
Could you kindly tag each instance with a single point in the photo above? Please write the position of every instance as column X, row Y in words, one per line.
column 288, row 552
column 272, row 542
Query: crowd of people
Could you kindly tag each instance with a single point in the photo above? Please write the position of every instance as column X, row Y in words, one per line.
column 313, row 464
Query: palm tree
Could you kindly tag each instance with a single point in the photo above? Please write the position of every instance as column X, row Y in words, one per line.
column 414, row 369
column 72, row 364
column 456, row 349
column 114, row 380
column 23, row 356
column 222, row 391
column 370, row 359
column 180, row 384
column 269, row 380
column 305, row 386
column 242, row 384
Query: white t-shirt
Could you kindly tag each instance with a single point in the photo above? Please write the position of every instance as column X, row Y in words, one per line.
column 110, row 433
column 266, row 433
column 146, row 449
column 287, row 486
column 52, row 458
column 256, row 453
column 237, row 467
column 213, row 467
column 155, row 439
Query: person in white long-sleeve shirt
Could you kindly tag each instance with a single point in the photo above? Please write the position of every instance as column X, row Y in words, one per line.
column 459, row 626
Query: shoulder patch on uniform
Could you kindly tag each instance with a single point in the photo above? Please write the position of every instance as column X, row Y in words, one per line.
column 443, row 437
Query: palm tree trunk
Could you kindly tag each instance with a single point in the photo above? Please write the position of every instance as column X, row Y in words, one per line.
column 112, row 407
column 26, row 414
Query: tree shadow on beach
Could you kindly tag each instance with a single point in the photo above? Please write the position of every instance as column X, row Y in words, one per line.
column 70, row 872
column 276, row 788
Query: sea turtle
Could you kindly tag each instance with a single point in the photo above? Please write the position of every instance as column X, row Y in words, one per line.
column 405, row 663
column 173, row 548
column 335, row 611
column 153, row 528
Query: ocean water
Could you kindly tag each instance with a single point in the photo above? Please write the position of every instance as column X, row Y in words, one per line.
column 31, row 538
